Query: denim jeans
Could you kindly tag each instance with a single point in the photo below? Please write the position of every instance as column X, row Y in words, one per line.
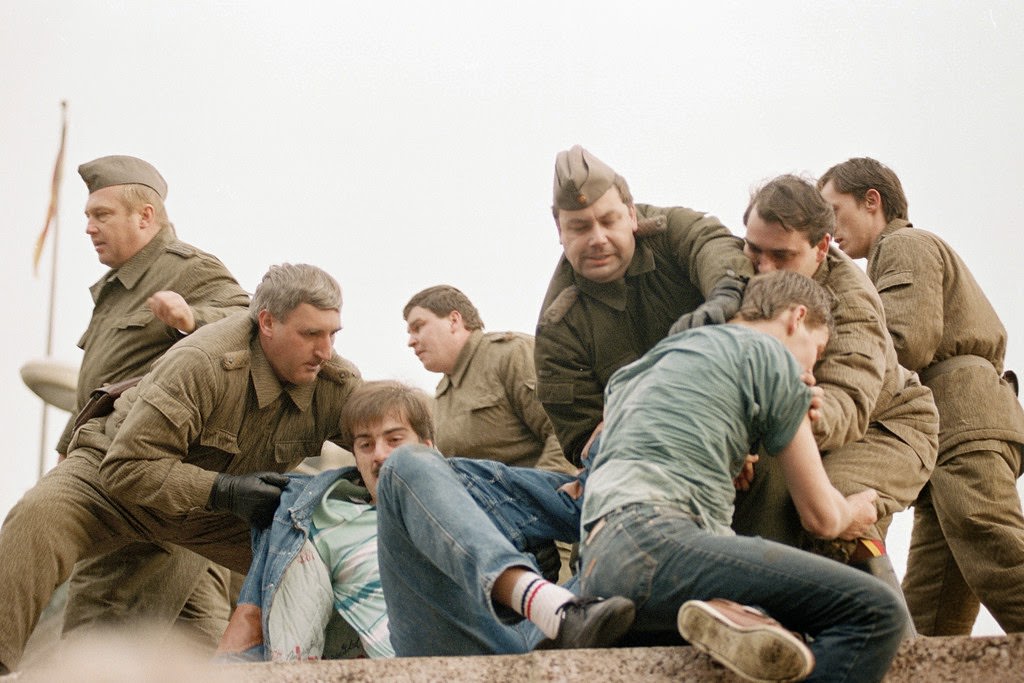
column 446, row 529
column 660, row 557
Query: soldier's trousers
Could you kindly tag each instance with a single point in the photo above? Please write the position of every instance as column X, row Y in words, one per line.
column 69, row 516
column 968, row 544
column 880, row 461
column 159, row 584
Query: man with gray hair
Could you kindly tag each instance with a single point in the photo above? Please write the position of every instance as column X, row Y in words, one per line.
column 193, row 454
column 629, row 273
column 158, row 289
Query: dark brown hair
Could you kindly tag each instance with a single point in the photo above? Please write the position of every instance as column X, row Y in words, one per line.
column 857, row 176
column 371, row 402
column 442, row 300
column 795, row 204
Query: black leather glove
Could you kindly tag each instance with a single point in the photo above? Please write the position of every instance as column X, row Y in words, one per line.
column 253, row 497
column 548, row 559
column 722, row 304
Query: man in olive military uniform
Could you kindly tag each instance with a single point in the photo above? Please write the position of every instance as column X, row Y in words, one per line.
column 968, row 540
column 193, row 454
column 157, row 290
column 629, row 273
column 875, row 424
column 486, row 403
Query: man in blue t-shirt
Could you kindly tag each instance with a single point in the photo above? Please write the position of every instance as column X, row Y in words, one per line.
column 679, row 424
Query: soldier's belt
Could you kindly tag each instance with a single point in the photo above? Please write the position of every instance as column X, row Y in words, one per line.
column 101, row 401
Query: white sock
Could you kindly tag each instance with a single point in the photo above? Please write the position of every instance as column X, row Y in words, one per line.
column 538, row 600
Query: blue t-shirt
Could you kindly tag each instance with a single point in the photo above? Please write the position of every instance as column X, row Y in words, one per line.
column 680, row 421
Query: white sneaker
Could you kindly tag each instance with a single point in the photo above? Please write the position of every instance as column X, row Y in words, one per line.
column 745, row 640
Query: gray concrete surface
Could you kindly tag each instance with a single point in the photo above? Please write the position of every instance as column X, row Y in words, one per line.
column 117, row 658
column 931, row 660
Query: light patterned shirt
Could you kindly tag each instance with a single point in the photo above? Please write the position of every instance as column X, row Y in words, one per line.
column 344, row 532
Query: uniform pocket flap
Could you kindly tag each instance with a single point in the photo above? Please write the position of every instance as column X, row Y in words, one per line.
column 221, row 439
column 555, row 392
column 899, row 278
column 290, row 451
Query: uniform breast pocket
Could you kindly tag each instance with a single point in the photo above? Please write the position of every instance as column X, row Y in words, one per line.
column 484, row 402
column 132, row 321
column 116, row 331
column 288, row 452
column 218, row 448
column 220, row 439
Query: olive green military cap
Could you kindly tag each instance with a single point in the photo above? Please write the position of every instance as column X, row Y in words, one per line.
column 580, row 179
column 121, row 170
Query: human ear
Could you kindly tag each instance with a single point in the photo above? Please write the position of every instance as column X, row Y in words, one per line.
column 266, row 322
column 872, row 200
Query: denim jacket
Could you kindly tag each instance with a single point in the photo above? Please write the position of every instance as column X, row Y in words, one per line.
column 276, row 547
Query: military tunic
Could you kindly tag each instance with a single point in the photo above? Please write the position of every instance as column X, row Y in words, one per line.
column 122, row 340
column 588, row 330
column 210, row 404
column 878, row 426
column 124, row 337
column 968, row 539
column 487, row 406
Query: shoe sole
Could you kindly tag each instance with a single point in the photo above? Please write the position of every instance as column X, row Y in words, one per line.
column 756, row 653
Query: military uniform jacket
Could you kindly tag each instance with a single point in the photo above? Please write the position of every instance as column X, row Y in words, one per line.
column 124, row 337
column 936, row 311
column 488, row 408
column 865, row 386
column 588, row 330
column 213, row 404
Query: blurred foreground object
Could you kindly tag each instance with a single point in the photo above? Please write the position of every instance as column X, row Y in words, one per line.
column 53, row 381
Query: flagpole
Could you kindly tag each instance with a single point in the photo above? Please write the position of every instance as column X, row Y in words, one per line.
column 51, row 313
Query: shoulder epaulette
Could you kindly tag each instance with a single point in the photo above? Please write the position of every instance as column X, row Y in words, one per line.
column 235, row 360
column 505, row 337
column 181, row 249
column 651, row 225
column 338, row 370
column 560, row 306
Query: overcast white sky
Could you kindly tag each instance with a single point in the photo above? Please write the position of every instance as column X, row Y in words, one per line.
column 404, row 144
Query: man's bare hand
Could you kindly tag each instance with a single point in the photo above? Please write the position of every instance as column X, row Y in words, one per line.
column 590, row 441
column 817, row 396
column 172, row 310
column 864, row 514
column 574, row 488
column 743, row 480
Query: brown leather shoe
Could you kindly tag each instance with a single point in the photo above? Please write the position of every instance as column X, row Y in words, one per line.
column 745, row 640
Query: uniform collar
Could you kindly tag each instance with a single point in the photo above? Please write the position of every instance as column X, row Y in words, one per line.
column 134, row 268
column 613, row 294
column 461, row 363
column 821, row 275
column 268, row 386
column 893, row 225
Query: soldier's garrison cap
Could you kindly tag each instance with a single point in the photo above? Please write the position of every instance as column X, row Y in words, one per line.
column 121, row 170
column 580, row 179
